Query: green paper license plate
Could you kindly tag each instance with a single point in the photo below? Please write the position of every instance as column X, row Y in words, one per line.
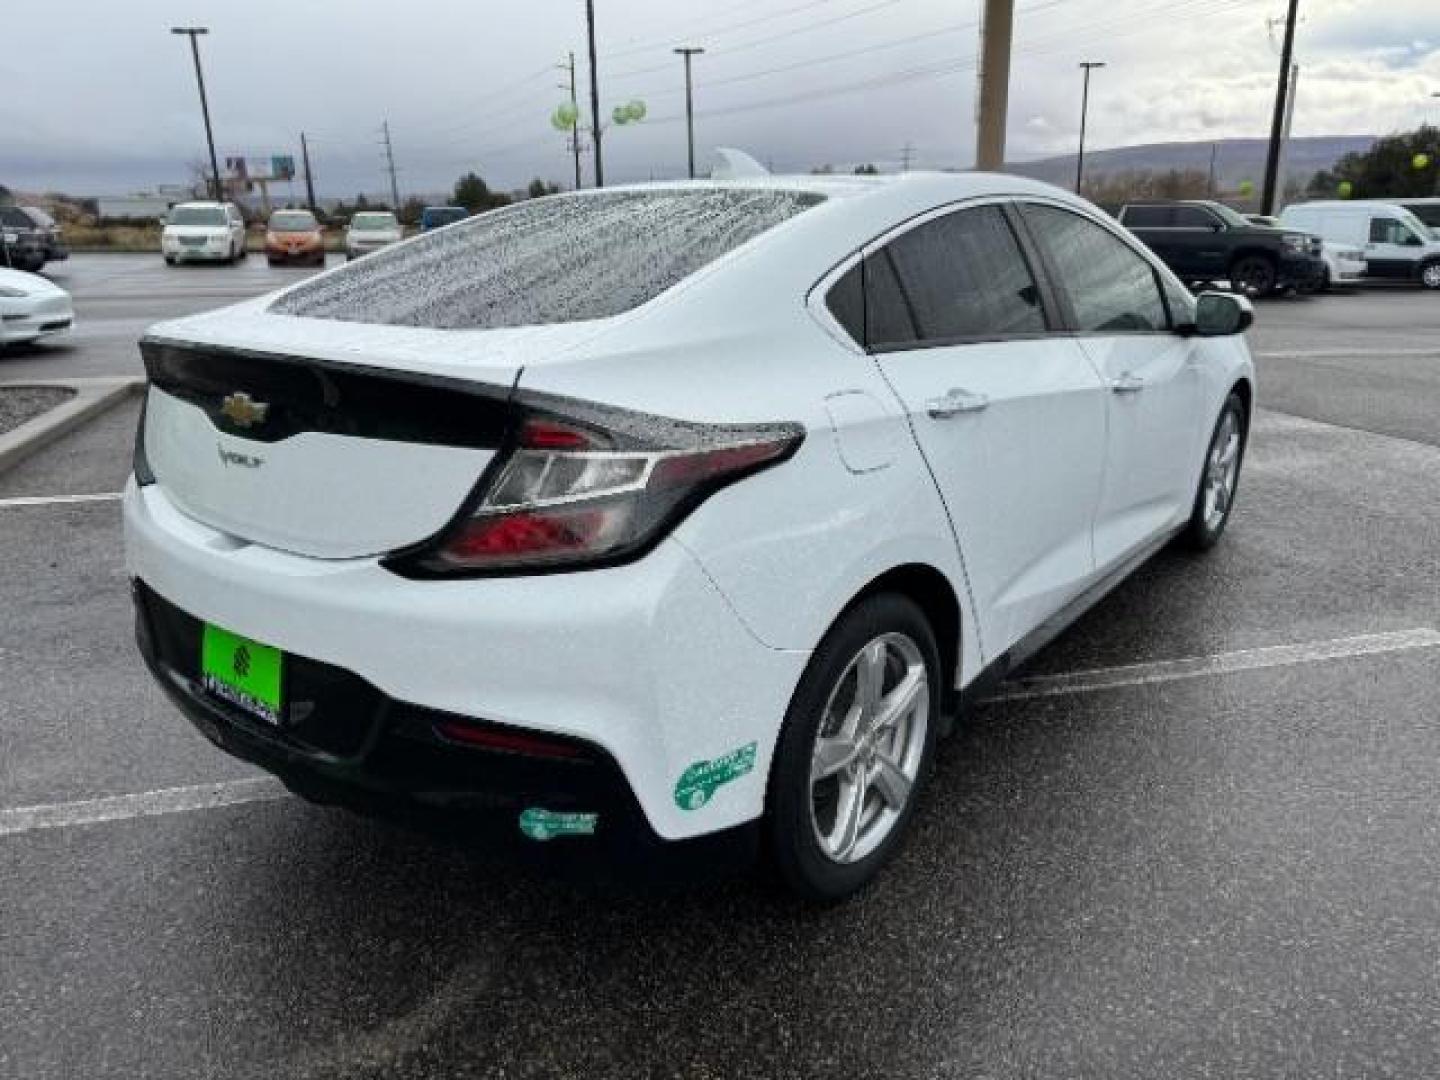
column 242, row 672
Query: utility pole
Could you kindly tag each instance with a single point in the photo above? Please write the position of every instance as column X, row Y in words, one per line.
column 687, row 52
column 575, row 124
column 193, row 33
column 906, row 153
column 390, row 159
column 1088, row 66
column 309, row 177
column 996, row 32
column 1289, row 122
column 594, row 95
column 1277, row 124
column 1210, row 182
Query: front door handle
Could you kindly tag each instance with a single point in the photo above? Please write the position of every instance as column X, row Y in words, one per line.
column 954, row 403
column 1128, row 384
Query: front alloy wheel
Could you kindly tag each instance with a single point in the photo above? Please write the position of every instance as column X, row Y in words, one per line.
column 1430, row 275
column 855, row 748
column 1220, row 479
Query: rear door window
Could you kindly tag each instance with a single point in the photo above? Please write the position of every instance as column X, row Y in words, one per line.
column 1111, row 288
column 547, row 260
column 1148, row 217
column 1194, row 217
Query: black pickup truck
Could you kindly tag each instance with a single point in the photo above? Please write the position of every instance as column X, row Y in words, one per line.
column 1206, row 241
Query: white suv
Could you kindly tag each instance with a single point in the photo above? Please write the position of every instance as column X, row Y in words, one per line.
column 371, row 230
column 203, row 232
column 672, row 511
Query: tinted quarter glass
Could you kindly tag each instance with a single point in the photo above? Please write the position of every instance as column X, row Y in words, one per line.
column 1147, row 217
column 846, row 301
column 889, row 321
column 545, row 261
column 1192, row 217
column 1380, row 230
column 964, row 277
column 1111, row 288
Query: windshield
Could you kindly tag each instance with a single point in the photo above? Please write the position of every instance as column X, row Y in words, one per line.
column 547, row 260
column 373, row 222
column 197, row 215
column 293, row 221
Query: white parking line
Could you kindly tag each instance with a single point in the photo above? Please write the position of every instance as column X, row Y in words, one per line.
column 175, row 800
column 1163, row 671
column 24, row 819
column 58, row 500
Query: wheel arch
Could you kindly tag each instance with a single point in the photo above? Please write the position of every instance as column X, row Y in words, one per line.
column 1254, row 252
column 932, row 592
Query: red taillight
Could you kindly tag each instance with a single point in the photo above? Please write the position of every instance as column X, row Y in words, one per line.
column 515, row 742
column 549, row 435
column 598, row 490
column 524, row 533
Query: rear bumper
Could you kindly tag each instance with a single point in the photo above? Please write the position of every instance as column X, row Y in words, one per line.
column 646, row 665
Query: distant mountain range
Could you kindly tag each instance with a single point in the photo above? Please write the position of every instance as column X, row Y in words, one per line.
column 1236, row 160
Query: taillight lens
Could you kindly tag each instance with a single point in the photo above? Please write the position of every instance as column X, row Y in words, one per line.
column 596, row 488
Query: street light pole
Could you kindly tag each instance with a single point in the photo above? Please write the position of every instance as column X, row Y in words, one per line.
column 687, row 53
column 193, row 33
column 1088, row 66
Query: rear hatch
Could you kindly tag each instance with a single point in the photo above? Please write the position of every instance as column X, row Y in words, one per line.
column 355, row 413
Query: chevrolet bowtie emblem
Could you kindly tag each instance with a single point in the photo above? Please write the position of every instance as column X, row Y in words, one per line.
column 242, row 410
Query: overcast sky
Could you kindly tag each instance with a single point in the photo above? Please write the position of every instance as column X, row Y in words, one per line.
column 96, row 97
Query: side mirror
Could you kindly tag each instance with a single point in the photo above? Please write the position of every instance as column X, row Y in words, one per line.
column 1222, row 315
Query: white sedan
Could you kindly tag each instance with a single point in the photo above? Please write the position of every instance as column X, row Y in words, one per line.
column 32, row 307
column 371, row 230
column 672, row 513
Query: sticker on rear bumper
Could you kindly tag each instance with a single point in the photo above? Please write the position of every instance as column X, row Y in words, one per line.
column 697, row 784
column 541, row 824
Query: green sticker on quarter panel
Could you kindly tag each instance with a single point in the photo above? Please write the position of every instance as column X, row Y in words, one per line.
column 242, row 672
column 541, row 824
column 697, row 784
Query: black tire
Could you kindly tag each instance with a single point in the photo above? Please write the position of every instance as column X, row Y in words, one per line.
column 1430, row 275
column 1204, row 529
column 1253, row 275
column 169, row 260
column 792, row 823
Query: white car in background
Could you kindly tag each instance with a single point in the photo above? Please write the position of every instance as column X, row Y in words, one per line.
column 203, row 232
column 675, row 511
column 1344, row 264
column 371, row 230
column 32, row 307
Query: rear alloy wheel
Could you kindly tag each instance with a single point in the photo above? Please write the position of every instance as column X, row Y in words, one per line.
column 1254, row 275
column 1215, row 498
column 1430, row 275
column 855, row 749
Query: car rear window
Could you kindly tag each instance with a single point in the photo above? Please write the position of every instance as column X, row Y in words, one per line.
column 547, row 260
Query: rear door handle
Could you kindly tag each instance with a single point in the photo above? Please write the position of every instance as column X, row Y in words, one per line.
column 1128, row 384
column 954, row 403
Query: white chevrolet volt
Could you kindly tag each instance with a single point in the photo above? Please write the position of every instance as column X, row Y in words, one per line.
column 670, row 512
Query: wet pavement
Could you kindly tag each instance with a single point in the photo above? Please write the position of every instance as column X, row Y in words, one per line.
column 1225, row 874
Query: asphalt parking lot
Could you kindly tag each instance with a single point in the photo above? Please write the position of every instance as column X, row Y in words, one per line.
column 1201, row 838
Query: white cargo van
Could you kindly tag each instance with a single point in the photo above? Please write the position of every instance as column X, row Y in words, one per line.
column 1398, row 246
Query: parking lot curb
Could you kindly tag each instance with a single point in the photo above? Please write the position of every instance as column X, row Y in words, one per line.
column 92, row 397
